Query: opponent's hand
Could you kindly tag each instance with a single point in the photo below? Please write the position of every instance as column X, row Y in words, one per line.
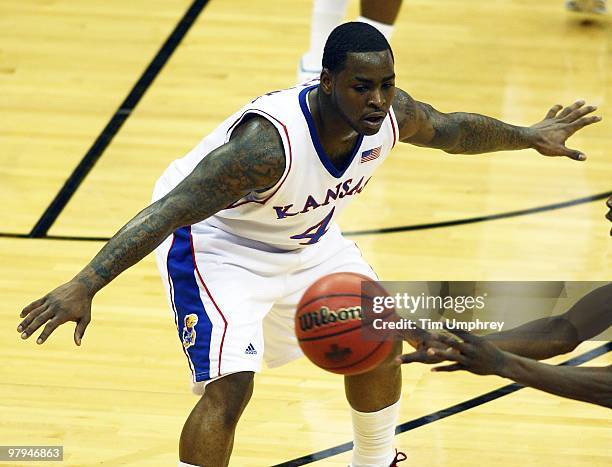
column 472, row 353
column 69, row 302
column 609, row 215
column 558, row 125
column 423, row 342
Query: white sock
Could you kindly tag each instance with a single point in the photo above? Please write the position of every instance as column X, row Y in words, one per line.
column 326, row 15
column 385, row 29
column 185, row 464
column 373, row 436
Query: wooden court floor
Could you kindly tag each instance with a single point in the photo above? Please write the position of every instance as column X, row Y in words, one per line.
column 66, row 67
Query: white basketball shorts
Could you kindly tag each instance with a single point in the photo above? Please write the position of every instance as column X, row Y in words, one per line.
column 234, row 299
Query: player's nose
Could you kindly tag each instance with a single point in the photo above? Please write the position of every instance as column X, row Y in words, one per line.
column 377, row 99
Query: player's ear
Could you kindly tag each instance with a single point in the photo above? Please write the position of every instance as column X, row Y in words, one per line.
column 326, row 81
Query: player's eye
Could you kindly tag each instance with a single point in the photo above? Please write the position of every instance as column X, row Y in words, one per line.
column 360, row 88
column 388, row 85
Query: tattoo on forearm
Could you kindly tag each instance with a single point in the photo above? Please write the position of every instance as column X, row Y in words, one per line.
column 252, row 160
column 456, row 133
column 468, row 133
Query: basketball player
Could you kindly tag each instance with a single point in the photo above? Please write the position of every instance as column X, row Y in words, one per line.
column 327, row 14
column 511, row 354
column 246, row 221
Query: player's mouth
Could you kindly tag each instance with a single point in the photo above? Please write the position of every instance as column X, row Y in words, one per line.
column 375, row 119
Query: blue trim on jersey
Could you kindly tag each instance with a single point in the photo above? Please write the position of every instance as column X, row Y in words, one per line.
column 329, row 165
column 187, row 301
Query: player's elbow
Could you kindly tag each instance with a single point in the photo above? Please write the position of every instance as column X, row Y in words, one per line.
column 563, row 336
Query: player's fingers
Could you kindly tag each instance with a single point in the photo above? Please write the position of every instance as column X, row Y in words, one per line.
column 49, row 328
column 449, row 342
column 553, row 111
column 580, row 112
column 570, row 108
column 31, row 316
column 573, row 154
column 79, row 332
column 419, row 356
column 453, row 367
column 443, row 338
column 463, row 335
column 33, row 322
column 582, row 122
column 449, row 353
column 609, row 202
column 32, row 306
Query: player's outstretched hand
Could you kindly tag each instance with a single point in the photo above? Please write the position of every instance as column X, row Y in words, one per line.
column 471, row 353
column 558, row 125
column 69, row 302
column 423, row 342
column 609, row 215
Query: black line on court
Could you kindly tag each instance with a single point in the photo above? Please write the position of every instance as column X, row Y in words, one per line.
column 116, row 122
column 472, row 220
column 54, row 237
column 439, row 415
column 406, row 228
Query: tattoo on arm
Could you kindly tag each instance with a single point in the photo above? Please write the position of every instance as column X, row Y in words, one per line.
column 458, row 132
column 252, row 160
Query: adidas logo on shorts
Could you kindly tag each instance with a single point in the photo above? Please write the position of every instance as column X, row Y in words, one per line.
column 250, row 350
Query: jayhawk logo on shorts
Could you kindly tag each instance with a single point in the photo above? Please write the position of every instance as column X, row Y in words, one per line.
column 189, row 332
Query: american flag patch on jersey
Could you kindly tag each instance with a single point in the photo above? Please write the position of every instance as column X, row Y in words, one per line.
column 370, row 154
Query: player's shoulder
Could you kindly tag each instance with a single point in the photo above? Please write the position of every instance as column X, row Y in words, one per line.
column 258, row 150
column 406, row 111
column 257, row 131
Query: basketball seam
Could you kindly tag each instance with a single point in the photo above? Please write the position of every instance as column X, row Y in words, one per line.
column 344, row 331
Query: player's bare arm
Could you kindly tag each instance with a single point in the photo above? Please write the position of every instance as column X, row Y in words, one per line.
column 468, row 133
column 252, row 160
column 555, row 335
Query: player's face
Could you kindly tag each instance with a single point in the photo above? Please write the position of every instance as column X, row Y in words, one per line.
column 363, row 91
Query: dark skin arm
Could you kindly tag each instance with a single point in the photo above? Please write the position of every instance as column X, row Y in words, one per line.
column 252, row 160
column 481, row 357
column 547, row 337
column 468, row 133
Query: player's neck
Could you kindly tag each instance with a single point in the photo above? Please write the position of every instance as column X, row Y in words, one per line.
column 336, row 136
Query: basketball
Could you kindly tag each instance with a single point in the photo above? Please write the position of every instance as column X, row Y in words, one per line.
column 328, row 325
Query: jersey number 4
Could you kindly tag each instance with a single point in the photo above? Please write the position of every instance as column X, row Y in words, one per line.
column 314, row 233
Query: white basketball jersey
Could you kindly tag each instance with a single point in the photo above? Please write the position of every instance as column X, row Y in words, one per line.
column 303, row 206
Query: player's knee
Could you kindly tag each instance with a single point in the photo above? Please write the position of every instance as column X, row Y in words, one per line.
column 231, row 393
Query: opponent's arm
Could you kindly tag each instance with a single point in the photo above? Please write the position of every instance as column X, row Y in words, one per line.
column 477, row 355
column 253, row 159
column 467, row 133
column 591, row 384
column 547, row 337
